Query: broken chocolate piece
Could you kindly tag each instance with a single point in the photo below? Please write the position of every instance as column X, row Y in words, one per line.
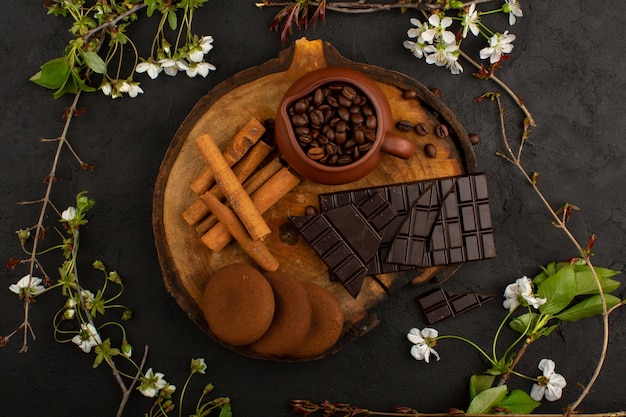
column 438, row 305
column 400, row 196
column 347, row 237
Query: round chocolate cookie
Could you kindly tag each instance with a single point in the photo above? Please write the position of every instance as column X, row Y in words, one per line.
column 238, row 304
column 326, row 323
column 292, row 317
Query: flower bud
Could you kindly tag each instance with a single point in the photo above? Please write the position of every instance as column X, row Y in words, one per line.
column 126, row 348
column 98, row 265
column 23, row 235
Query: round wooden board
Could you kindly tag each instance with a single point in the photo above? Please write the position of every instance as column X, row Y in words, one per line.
column 187, row 263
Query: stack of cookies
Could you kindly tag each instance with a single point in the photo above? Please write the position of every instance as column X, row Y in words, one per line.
column 271, row 314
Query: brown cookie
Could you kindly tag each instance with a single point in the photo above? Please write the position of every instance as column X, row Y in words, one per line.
column 292, row 317
column 238, row 304
column 326, row 324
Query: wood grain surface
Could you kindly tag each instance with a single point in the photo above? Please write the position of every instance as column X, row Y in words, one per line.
column 187, row 263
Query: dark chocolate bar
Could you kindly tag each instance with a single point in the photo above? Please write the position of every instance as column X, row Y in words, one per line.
column 449, row 224
column 400, row 196
column 438, row 305
column 347, row 237
column 411, row 244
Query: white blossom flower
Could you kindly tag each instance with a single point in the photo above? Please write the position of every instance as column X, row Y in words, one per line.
column 199, row 68
column 152, row 383
column 171, row 66
column 25, row 282
column 68, row 214
column 549, row 384
column 206, row 43
column 423, row 341
column 520, row 290
column 499, row 44
column 87, row 338
column 106, row 88
column 438, row 29
column 198, row 366
column 152, row 68
column 514, row 9
column 132, row 88
column 195, row 54
column 470, row 21
column 416, row 48
column 444, row 55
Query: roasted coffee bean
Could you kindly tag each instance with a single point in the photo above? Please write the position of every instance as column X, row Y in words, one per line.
column 315, row 153
column 305, row 139
column 344, row 102
column 474, row 139
column 409, row 94
column 404, row 126
column 301, row 106
column 365, row 147
column 348, row 92
column 349, row 144
column 299, row 120
column 344, row 160
column 316, row 117
column 318, row 96
column 430, row 150
column 359, row 137
column 310, row 211
column 421, row 129
column 441, row 131
column 344, row 113
column 335, row 124
column 357, row 119
column 288, row 233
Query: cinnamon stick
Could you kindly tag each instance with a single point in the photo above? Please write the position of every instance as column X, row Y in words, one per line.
column 242, row 170
column 250, row 185
column 264, row 197
column 254, row 248
column 234, row 192
column 243, row 140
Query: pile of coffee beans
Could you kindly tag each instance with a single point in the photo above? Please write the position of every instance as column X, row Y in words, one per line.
column 335, row 125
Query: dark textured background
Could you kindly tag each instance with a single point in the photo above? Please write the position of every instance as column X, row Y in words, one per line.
column 568, row 65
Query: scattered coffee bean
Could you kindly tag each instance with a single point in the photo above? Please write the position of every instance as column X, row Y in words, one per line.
column 409, row 94
column 288, row 233
column 421, row 129
column 430, row 150
column 335, row 124
column 310, row 211
column 474, row 139
column 404, row 126
column 441, row 131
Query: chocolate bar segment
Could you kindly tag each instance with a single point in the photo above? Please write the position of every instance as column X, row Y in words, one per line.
column 401, row 197
column 347, row 237
column 438, row 305
column 450, row 223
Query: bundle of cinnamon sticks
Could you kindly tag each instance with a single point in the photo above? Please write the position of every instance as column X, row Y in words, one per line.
column 236, row 187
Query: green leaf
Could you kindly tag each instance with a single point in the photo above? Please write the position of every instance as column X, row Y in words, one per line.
column 225, row 411
column 559, row 290
column 69, row 87
column 586, row 283
column 520, row 323
column 479, row 383
column 546, row 331
column 519, row 402
column 172, row 19
column 486, row 400
column 589, row 307
column 53, row 74
column 94, row 62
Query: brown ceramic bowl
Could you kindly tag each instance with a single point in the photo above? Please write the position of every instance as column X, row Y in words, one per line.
column 385, row 142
